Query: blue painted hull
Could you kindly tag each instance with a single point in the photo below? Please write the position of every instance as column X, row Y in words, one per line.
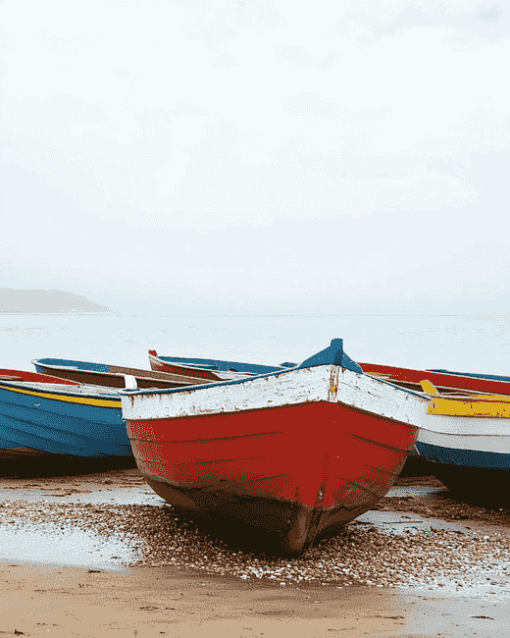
column 478, row 475
column 62, row 422
column 6, row 444
column 465, row 458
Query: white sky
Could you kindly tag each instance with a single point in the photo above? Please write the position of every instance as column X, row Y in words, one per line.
column 257, row 155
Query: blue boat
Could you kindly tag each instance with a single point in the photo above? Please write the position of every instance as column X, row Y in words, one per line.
column 62, row 419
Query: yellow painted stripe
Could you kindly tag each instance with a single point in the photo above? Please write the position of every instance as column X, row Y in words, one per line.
column 101, row 403
column 488, row 406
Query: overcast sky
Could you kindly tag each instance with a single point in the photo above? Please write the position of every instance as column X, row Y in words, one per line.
column 257, row 156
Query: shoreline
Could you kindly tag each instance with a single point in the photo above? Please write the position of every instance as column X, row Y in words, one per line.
column 150, row 602
column 97, row 517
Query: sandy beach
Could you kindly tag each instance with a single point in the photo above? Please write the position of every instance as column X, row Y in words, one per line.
column 101, row 555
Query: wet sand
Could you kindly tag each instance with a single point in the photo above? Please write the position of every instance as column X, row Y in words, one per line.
column 65, row 557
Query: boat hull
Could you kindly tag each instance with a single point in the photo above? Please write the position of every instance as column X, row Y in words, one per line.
column 443, row 380
column 172, row 368
column 298, row 470
column 466, row 443
column 64, row 422
column 209, row 369
column 475, row 466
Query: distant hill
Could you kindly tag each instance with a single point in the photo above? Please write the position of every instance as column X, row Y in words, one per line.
column 36, row 301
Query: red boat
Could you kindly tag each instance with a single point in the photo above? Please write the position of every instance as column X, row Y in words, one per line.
column 210, row 369
column 296, row 453
column 36, row 377
column 443, row 380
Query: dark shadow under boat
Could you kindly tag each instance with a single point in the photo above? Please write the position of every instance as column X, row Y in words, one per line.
column 30, row 463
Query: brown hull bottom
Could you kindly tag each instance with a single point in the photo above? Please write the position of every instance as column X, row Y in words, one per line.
column 26, row 462
column 280, row 526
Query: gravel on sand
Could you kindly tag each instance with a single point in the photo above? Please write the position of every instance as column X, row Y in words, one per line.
column 360, row 555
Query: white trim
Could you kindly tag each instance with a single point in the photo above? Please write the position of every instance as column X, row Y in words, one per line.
column 467, row 425
column 293, row 387
column 496, row 444
column 378, row 397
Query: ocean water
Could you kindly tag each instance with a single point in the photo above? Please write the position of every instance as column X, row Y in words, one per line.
column 469, row 343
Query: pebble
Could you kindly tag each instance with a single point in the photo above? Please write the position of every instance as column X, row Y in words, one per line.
column 359, row 555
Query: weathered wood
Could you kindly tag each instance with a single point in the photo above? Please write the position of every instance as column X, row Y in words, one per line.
column 286, row 388
column 295, row 453
column 112, row 375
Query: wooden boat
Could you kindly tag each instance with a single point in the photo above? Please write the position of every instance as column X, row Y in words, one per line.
column 466, row 440
column 443, row 380
column 296, row 453
column 62, row 419
column 211, row 369
column 111, row 375
column 425, row 460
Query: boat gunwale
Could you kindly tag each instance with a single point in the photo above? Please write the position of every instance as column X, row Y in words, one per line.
column 145, row 375
column 192, row 388
column 392, row 373
column 264, row 408
column 190, row 362
column 30, row 388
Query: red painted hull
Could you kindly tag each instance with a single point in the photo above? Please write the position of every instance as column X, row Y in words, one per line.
column 299, row 471
column 446, row 382
column 22, row 375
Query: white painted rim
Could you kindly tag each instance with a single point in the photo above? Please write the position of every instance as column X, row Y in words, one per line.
column 327, row 383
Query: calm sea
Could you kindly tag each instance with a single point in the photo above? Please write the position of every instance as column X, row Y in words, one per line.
column 471, row 343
